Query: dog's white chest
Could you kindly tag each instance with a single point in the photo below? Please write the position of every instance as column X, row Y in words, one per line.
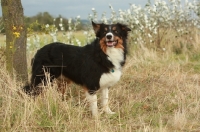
column 109, row 79
column 115, row 55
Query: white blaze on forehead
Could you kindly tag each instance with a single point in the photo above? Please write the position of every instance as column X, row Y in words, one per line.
column 109, row 34
column 109, row 28
column 110, row 31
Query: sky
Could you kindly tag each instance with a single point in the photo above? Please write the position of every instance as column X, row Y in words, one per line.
column 73, row 8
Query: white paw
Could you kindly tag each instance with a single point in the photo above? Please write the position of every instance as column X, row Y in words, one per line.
column 111, row 113
column 108, row 111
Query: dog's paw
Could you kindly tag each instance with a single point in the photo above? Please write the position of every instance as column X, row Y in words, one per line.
column 111, row 113
column 108, row 111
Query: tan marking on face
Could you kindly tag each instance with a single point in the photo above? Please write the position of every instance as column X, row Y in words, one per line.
column 106, row 29
column 114, row 28
column 120, row 43
column 103, row 45
column 123, row 28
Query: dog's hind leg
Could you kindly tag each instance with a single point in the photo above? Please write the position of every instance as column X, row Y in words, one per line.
column 36, row 84
column 40, row 77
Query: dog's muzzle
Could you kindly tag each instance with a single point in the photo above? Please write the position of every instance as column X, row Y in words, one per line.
column 110, row 42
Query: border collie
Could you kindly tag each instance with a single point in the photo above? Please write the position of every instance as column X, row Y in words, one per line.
column 96, row 66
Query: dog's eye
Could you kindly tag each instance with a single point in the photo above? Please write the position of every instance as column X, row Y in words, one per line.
column 116, row 31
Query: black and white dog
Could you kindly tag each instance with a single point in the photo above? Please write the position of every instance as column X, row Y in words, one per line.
column 96, row 66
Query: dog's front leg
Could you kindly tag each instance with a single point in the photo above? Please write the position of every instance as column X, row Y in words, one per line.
column 92, row 99
column 104, row 101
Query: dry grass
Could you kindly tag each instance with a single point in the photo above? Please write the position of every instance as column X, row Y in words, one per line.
column 159, row 91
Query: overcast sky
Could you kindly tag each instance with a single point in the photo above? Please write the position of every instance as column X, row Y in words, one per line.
column 73, row 8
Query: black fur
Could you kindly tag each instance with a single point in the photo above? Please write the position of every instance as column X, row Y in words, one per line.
column 82, row 65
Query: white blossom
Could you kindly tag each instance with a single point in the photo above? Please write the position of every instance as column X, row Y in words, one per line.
column 70, row 20
column 47, row 25
column 61, row 19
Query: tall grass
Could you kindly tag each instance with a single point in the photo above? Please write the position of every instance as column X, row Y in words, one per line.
column 159, row 91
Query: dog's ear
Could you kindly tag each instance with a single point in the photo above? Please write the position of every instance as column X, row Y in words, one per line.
column 124, row 27
column 96, row 27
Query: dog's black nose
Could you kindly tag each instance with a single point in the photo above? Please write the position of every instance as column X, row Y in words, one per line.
column 109, row 36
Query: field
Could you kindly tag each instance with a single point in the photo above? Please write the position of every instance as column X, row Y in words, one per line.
column 158, row 91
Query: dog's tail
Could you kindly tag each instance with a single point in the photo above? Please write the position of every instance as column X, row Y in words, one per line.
column 30, row 90
column 27, row 89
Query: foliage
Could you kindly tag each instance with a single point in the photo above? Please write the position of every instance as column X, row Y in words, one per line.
column 53, row 31
column 45, row 18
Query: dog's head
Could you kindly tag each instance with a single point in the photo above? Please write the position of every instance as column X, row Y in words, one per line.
column 113, row 35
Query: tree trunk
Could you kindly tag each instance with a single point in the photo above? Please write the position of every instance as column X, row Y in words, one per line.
column 13, row 18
